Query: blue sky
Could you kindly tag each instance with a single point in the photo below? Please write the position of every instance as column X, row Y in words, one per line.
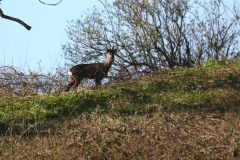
column 41, row 46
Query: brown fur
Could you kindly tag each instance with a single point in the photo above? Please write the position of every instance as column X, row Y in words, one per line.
column 95, row 71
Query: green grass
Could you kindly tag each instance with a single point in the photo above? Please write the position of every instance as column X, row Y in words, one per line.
column 210, row 89
column 161, row 114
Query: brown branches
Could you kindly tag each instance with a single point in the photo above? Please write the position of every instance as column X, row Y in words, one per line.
column 16, row 83
column 15, row 19
column 19, row 20
column 50, row 4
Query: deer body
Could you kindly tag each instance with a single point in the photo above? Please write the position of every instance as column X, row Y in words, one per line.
column 95, row 71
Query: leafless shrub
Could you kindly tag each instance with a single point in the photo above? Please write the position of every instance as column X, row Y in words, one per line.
column 13, row 82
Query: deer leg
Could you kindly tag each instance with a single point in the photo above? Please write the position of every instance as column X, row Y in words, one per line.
column 69, row 86
column 72, row 79
column 77, row 82
column 98, row 82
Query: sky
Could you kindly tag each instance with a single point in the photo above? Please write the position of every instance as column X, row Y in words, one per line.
column 39, row 48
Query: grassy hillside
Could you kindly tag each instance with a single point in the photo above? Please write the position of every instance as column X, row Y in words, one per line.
column 186, row 113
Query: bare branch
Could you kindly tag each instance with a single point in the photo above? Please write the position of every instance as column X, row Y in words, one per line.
column 15, row 19
column 50, row 4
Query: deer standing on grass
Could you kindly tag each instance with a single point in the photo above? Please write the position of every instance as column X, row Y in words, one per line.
column 95, row 71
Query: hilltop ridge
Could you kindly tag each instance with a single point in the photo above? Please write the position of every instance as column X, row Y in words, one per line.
column 188, row 112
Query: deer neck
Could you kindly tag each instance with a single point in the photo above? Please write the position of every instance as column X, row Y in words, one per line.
column 108, row 62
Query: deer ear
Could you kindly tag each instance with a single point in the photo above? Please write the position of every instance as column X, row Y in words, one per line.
column 107, row 50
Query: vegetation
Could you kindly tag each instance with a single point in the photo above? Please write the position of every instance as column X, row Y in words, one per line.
column 163, row 110
column 154, row 34
column 190, row 113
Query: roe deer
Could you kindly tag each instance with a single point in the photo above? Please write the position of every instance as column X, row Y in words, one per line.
column 95, row 71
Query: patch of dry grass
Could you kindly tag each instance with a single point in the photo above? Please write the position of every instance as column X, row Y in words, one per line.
column 158, row 136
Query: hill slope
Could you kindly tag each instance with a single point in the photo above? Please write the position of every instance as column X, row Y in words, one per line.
column 186, row 113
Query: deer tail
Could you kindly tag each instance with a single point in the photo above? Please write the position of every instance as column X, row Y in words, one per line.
column 70, row 76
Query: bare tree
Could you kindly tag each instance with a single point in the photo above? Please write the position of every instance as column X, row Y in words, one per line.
column 150, row 35
column 154, row 34
column 216, row 31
